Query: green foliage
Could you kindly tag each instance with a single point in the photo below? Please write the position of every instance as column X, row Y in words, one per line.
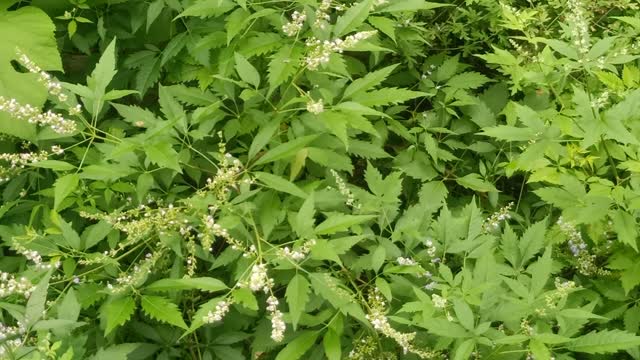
column 400, row 179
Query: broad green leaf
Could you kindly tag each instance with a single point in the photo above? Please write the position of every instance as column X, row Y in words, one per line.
column 409, row 5
column 540, row 272
column 280, row 184
column 464, row 350
column 163, row 310
column 263, row 137
column 208, row 8
column 170, row 107
column 63, row 187
column 154, row 9
column 467, row 80
column 378, row 257
column 29, row 29
column 352, row 18
column 102, row 75
column 288, row 149
column 37, row 301
column 116, row 352
column 604, row 341
column 297, row 295
column 445, row 328
column 117, row 311
column 331, row 344
column 386, row 96
column 305, row 218
column 299, row 346
column 283, row 65
column 55, row 165
column 630, row 277
column 163, row 154
column 474, row 182
column 464, row 314
column 340, row 222
column 323, row 250
column 539, row 350
column 246, row 71
column 508, row 133
column 532, row 241
column 245, row 297
column 626, row 227
column 368, row 81
column 69, row 308
column 201, row 283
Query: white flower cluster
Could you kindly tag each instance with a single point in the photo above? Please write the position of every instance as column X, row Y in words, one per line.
column 322, row 14
column 138, row 274
column 53, row 87
column 299, row 254
column 380, row 323
column 278, row 327
column 344, row 190
column 259, row 280
column 438, row 301
column 8, row 332
column 578, row 19
column 431, row 284
column 34, row 257
column 291, row 28
column 222, row 308
column 600, row 101
column 431, row 250
column 19, row 161
column 493, row 222
column 322, row 50
column 406, row 261
column 214, row 229
column 34, row 116
column 315, row 107
column 10, row 285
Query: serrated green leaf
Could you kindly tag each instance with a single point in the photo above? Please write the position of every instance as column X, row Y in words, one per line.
column 208, row 8
column 288, row 149
column 386, row 96
column 280, row 184
column 368, row 81
column 297, row 295
column 467, row 80
column 409, row 5
column 340, row 222
column 163, row 154
column 246, row 71
column 352, row 18
column 305, row 218
column 475, row 182
column 116, row 352
column 626, row 227
column 37, row 301
column 163, row 310
column 283, row 65
column 116, row 312
column 604, row 341
column 63, row 187
column 464, row 314
column 298, row 347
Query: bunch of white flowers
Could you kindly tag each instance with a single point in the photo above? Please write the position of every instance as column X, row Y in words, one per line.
column 222, row 308
column 33, row 115
column 291, row 28
column 321, row 50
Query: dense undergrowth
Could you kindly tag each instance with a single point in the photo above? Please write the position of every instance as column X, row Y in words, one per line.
column 381, row 179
